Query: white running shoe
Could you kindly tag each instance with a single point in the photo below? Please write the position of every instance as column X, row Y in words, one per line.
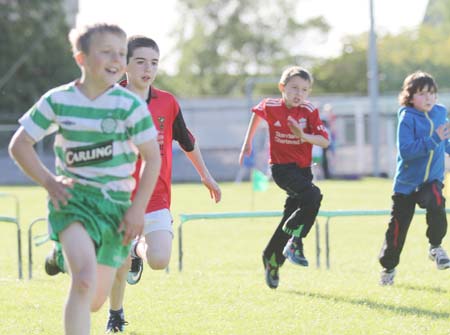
column 438, row 255
column 137, row 265
column 387, row 277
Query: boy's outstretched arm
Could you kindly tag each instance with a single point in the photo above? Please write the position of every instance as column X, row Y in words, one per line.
column 133, row 220
column 22, row 151
column 195, row 156
column 251, row 130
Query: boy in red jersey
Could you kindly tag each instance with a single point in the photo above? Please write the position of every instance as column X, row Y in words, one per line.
column 294, row 127
column 156, row 244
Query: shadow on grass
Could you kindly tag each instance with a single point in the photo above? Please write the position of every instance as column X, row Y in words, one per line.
column 422, row 288
column 376, row 305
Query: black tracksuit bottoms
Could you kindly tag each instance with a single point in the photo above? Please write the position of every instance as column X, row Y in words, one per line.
column 429, row 196
column 301, row 206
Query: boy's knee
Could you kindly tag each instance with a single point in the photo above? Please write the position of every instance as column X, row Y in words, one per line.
column 434, row 204
column 430, row 197
column 312, row 196
column 83, row 282
column 158, row 260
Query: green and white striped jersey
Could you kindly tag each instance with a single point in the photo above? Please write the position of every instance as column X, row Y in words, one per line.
column 95, row 139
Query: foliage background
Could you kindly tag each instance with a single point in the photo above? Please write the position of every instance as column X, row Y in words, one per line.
column 220, row 50
column 34, row 34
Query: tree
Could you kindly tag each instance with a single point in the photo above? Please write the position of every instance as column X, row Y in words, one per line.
column 438, row 14
column 424, row 48
column 346, row 73
column 35, row 54
column 221, row 43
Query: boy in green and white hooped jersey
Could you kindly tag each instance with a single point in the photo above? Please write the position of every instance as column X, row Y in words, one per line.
column 99, row 125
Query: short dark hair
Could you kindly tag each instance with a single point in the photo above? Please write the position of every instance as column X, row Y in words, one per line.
column 138, row 41
column 80, row 38
column 293, row 71
column 413, row 83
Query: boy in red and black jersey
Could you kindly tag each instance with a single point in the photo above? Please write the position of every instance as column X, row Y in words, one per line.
column 156, row 243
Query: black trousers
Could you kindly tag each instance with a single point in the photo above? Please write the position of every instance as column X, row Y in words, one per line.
column 429, row 197
column 300, row 208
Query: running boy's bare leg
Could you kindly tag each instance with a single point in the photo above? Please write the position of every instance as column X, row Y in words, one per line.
column 79, row 252
column 118, row 290
column 84, row 295
column 105, row 275
column 155, row 249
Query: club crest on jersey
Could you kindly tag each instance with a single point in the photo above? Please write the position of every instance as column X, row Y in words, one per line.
column 90, row 154
column 109, row 125
column 161, row 120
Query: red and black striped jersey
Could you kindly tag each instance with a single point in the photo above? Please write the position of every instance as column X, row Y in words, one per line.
column 169, row 123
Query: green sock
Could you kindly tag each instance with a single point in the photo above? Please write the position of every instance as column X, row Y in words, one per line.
column 297, row 232
column 273, row 260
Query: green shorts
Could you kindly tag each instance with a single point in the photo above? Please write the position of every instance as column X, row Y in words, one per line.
column 100, row 217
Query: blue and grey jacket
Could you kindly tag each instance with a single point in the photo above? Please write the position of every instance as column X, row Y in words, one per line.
column 420, row 151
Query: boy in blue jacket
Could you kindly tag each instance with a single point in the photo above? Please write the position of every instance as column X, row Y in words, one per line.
column 422, row 140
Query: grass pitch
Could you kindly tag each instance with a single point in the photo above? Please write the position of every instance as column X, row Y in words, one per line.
column 222, row 290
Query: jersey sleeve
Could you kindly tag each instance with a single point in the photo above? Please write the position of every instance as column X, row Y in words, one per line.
column 260, row 109
column 140, row 126
column 317, row 126
column 181, row 133
column 39, row 120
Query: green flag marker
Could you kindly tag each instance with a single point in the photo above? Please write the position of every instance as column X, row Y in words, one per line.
column 260, row 181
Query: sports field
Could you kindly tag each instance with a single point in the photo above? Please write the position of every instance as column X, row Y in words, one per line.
column 222, row 290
